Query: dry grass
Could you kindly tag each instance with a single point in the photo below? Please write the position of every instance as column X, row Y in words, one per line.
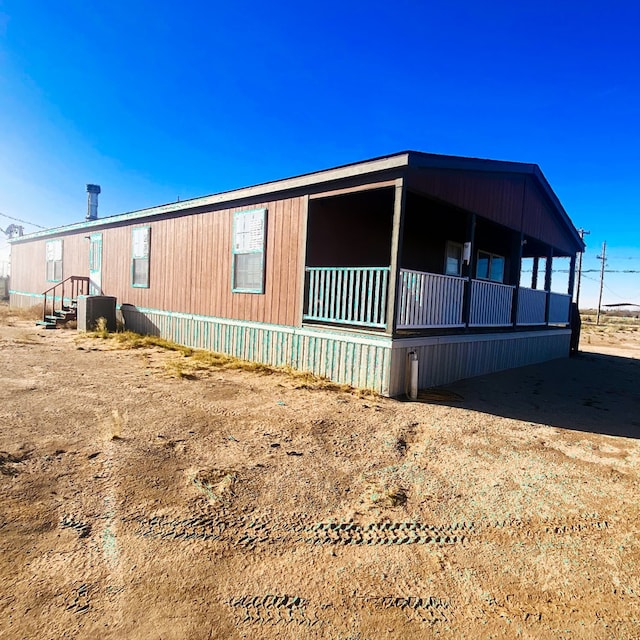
column 394, row 496
column 101, row 330
column 188, row 363
column 10, row 315
column 617, row 322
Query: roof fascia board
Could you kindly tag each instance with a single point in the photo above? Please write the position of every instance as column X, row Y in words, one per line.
column 288, row 184
column 434, row 161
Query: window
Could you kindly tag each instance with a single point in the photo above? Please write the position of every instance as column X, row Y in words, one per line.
column 140, row 245
column 53, row 251
column 249, row 237
column 453, row 259
column 490, row 267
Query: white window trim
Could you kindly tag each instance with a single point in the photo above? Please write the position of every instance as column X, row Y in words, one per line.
column 243, row 245
column 53, row 256
column 140, row 250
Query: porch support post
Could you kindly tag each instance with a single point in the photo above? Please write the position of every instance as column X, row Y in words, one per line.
column 303, row 261
column 547, row 282
column 514, row 273
column 534, row 273
column 399, row 204
column 572, row 275
column 470, row 269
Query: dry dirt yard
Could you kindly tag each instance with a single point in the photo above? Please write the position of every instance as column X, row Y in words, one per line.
column 233, row 504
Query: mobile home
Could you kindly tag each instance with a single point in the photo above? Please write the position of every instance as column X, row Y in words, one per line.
column 342, row 272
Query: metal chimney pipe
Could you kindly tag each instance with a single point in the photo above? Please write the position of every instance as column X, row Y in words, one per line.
column 92, row 201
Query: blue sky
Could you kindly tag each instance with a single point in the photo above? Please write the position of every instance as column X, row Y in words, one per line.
column 160, row 100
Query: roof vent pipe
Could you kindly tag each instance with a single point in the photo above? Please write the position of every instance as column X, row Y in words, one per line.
column 92, row 201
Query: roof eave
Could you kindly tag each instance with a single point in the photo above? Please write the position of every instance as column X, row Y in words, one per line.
column 367, row 167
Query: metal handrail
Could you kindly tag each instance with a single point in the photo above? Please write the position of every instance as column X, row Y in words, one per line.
column 77, row 288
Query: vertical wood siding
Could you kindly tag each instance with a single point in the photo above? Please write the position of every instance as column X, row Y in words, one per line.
column 190, row 264
column 28, row 264
column 497, row 197
column 539, row 220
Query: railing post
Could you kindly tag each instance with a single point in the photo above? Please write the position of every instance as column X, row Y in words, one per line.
column 547, row 281
column 470, row 268
column 515, row 274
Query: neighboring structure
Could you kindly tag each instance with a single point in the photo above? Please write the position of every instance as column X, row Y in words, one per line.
column 340, row 272
column 4, row 287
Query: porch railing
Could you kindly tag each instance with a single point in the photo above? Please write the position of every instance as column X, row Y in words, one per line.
column 532, row 304
column 429, row 300
column 348, row 295
column 559, row 304
column 490, row 304
column 357, row 296
column 65, row 293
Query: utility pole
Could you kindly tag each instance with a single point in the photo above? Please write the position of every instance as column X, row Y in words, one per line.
column 603, row 257
column 582, row 233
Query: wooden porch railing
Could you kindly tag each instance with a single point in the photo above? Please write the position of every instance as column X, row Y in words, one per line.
column 559, row 305
column 532, row 304
column 429, row 300
column 357, row 296
column 490, row 304
column 347, row 295
column 74, row 286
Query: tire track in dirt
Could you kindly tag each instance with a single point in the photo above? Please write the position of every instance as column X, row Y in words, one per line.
column 273, row 609
column 249, row 531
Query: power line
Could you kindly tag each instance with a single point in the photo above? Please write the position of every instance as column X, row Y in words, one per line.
column 4, row 215
column 590, row 270
column 612, row 271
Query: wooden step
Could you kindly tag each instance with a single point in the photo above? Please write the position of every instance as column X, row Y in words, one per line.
column 46, row 325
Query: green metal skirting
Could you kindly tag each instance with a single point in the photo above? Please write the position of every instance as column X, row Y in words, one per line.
column 359, row 361
column 445, row 359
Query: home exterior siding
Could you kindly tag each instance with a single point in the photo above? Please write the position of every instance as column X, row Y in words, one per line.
column 190, row 264
column 538, row 220
column 29, row 266
column 512, row 200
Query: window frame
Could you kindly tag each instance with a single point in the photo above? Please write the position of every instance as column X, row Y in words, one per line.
column 491, row 257
column 142, row 253
column 249, row 238
column 53, row 261
column 459, row 246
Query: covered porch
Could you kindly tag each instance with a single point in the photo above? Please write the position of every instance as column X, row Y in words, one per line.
column 397, row 261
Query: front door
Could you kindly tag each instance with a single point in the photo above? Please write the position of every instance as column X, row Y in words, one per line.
column 95, row 265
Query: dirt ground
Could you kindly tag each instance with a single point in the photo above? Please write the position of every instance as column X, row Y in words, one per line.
column 230, row 504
